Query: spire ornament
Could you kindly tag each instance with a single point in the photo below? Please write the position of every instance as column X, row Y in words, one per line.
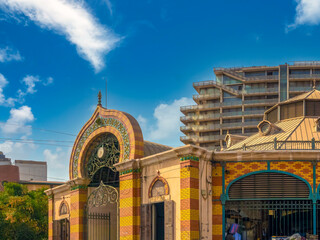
column 99, row 99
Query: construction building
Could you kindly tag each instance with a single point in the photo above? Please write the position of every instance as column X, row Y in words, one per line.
column 235, row 101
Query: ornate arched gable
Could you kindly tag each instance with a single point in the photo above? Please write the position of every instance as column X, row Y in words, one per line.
column 156, row 180
column 64, row 208
column 122, row 125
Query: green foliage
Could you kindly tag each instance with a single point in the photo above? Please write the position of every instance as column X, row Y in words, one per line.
column 23, row 213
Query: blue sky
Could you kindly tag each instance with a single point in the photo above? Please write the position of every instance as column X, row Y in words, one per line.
column 55, row 56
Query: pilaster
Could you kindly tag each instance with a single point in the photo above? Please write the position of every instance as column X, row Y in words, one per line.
column 189, row 192
column 50, row 217
column 130, row 202
column 217, row 208
column 78, row 199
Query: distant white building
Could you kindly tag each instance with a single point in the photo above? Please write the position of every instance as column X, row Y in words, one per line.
column 32, row 170
column 4, row 160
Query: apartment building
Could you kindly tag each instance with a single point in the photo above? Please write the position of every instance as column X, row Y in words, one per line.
column 235, row 101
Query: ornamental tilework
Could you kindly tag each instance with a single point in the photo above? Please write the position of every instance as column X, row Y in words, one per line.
column 189, row 198
column 237, row 169
column 216, row 203
column 129, row 208
column 98, row 123
column 301, row 169
column 318, row 174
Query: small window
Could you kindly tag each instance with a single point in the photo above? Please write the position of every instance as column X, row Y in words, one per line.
column 158, row 189
column 63, row 209
column 264, row 127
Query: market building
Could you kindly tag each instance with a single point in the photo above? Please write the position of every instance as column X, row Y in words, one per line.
column 122, row 187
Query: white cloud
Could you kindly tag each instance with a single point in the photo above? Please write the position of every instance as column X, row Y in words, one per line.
column 30, row 82
column 17, row 150
column 142, row 122
column 3, row 83
column 17, row 122
column 71, row 19
column 109, row 5
column 166, row 129
column 307, row 12
column 48, row 82
column 58, row 162
column 7, row 54
column 3, row 100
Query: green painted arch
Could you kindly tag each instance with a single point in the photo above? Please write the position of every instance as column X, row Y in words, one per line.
column 265, row 171
column 318, row 193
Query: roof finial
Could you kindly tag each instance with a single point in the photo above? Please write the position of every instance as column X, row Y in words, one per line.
column 99, row 98
column 314, row 83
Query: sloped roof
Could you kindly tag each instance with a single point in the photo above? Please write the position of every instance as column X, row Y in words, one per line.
column 151, row 148
column 313, row 94
column 295, row 129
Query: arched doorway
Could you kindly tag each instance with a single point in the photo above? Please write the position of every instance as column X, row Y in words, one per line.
column 102, row 205
column 269, row 204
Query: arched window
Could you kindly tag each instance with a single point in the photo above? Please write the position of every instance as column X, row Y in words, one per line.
column 103, row 153
column 269, row 185
column 158, row 187
column 63, row 209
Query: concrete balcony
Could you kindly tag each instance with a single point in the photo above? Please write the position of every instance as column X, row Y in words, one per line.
column 253, row 112
column 217, row 127
column 229, row 114
column 213, row 83
column 212, row 138
column 261, row 101
column 258, row 91
column 191, row 108
column 197, row 98
column 300, row 89
column 268, row 78
column 186, row 129
column 186, row 139
column 304, row 76
column 199, row 117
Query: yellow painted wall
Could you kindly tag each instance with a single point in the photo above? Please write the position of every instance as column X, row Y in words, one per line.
column 58, row 198
column 170, row 170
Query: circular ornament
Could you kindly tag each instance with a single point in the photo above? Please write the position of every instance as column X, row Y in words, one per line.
column 264, row 127
column 101, row 152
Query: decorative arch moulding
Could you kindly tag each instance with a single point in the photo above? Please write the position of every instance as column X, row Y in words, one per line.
column 163, row 180
column 122, row 125
column 64, row 202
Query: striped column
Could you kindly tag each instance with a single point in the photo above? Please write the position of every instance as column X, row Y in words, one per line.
column 78, row 197
column 217, row 230
column 50, row 217
column 189, row 193
column 130, row 201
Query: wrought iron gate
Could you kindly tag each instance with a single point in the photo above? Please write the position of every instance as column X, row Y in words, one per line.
column 101, row 202
column 267, row 218
column 99, row 226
